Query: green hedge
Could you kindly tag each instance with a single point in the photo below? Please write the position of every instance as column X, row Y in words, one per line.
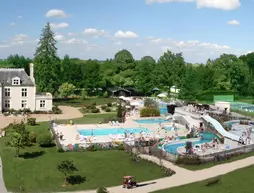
column 149, row 112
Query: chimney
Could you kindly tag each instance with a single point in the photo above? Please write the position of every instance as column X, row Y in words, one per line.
column 31, row 65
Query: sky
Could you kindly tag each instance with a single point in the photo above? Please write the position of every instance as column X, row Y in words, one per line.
column 97, row 29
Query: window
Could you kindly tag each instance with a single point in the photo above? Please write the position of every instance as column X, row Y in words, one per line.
column 23, row 104
column 16, row 81
column 7, row 92
column 24, row 92
column 7, row 104
column 42, row 103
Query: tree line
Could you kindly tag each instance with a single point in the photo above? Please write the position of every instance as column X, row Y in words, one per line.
column 227, row 74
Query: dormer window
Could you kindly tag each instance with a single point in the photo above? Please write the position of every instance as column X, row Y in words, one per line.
column 16, row 81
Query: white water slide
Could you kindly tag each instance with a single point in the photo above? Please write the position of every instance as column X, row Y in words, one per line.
column 220, row 129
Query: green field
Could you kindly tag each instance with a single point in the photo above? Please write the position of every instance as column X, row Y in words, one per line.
column 36, row 171
column 89, row 119
column 80, row 103
column 239, row 181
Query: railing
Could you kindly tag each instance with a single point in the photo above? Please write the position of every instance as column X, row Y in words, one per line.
column 159, row 153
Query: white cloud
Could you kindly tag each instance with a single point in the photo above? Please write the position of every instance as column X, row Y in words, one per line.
column 77, row 46
column 127, row 34
column 217, row 4
column 74, row 41
column 234, row 22
column 58, row 13
column 71, row 34
column 59, row 37
column 94, row 32
column 20, row 17
column 59, row 25
column 12, row 24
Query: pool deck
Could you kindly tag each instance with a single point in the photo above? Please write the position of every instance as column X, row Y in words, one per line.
column 70, row 132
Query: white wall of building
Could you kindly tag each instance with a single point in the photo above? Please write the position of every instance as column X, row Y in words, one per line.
column 220, row 105
column 16, row 99
column 43, row 102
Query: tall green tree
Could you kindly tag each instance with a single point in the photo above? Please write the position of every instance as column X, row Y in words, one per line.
column 145, row 78
column 47, row 68
column 19, row 137
column 67, row 167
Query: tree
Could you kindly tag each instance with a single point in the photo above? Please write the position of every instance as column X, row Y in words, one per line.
column 102, row 190
column 67, row 167
column 47, row 69
column 145, row 77
column 148, row 102
column 66, row 90
column 19, row 137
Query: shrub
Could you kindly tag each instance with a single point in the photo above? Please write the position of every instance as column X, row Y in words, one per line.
column 109, row 104
column 60, row 150
column 56, row 110
column 96, row 110
column 31, row 121
column 44, row 140
column 26, row 110
column 94, row 104
column 84, row 95
column 32, row 137
column 148, row 102
column 107, row 109
column 105, row 94
column 149, row 112
column 103, row 107
column 188, row 160
column 102, row 190
column 190, row 135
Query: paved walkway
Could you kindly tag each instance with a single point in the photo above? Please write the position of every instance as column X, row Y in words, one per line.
column 181, row 177
column 2, row 186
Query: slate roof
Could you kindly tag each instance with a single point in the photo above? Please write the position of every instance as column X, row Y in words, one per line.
column 7, row 74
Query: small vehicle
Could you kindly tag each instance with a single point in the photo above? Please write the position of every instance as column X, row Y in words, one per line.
column 129, row 182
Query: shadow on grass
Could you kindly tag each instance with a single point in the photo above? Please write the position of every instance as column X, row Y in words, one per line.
column 48, row 145
column 31, row 155
column 145, row 184
column 76, row 179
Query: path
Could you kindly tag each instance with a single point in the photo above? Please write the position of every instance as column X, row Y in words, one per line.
column 2, row 186
column 181, row 177
column 68, row 113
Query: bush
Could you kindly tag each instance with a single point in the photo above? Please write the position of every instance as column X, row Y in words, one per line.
column 96, row 110
column 149, row 112
column 148, row 102
column 31, row 121
column 102, row 190
column 188, row 160
column 32, row 137
column 190, row 135
column 83, row 95
column 60, row 150
column 103, row 107
column 44, row 140
column 107, row 109
column 56, row 110
column 105, row 94
column 109, row 104
column 94, row 104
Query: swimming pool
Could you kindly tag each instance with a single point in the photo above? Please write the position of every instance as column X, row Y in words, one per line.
column 113, row 131
column 151, row 121
column 172, row 148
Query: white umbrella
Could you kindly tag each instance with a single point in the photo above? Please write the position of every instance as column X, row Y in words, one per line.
column 162, row 95
column 122, row 97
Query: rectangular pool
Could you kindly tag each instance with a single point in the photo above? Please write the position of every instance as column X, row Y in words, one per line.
column 151, row 121
column 113, row 131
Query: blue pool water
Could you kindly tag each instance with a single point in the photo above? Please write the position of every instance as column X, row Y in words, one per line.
column 172, row 148
column 163, row 110
column 230, row 123
column 148, row 121
column 113, row 131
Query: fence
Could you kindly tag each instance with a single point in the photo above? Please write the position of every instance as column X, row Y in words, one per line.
column 219, row 156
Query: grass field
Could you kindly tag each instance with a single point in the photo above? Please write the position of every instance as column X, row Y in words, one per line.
column 244, row 113
column 89, row 119
column 239, row 181
column 80, row 103
column 36, row 171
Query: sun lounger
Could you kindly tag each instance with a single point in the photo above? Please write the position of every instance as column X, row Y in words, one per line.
column 113, row 123
column 110, row 123
column 117, row 123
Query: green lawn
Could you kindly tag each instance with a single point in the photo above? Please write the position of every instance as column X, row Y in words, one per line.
column 39, row 174
column 81, row 103
column 89, row 119
column 211, row 164
column 239, row 181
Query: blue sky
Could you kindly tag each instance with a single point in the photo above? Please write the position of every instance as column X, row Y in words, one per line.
column 201, row 29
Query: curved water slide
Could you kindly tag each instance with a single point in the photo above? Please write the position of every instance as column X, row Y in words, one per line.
column 220, row 129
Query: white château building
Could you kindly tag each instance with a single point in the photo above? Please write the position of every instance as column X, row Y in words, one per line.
column 18, row 91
